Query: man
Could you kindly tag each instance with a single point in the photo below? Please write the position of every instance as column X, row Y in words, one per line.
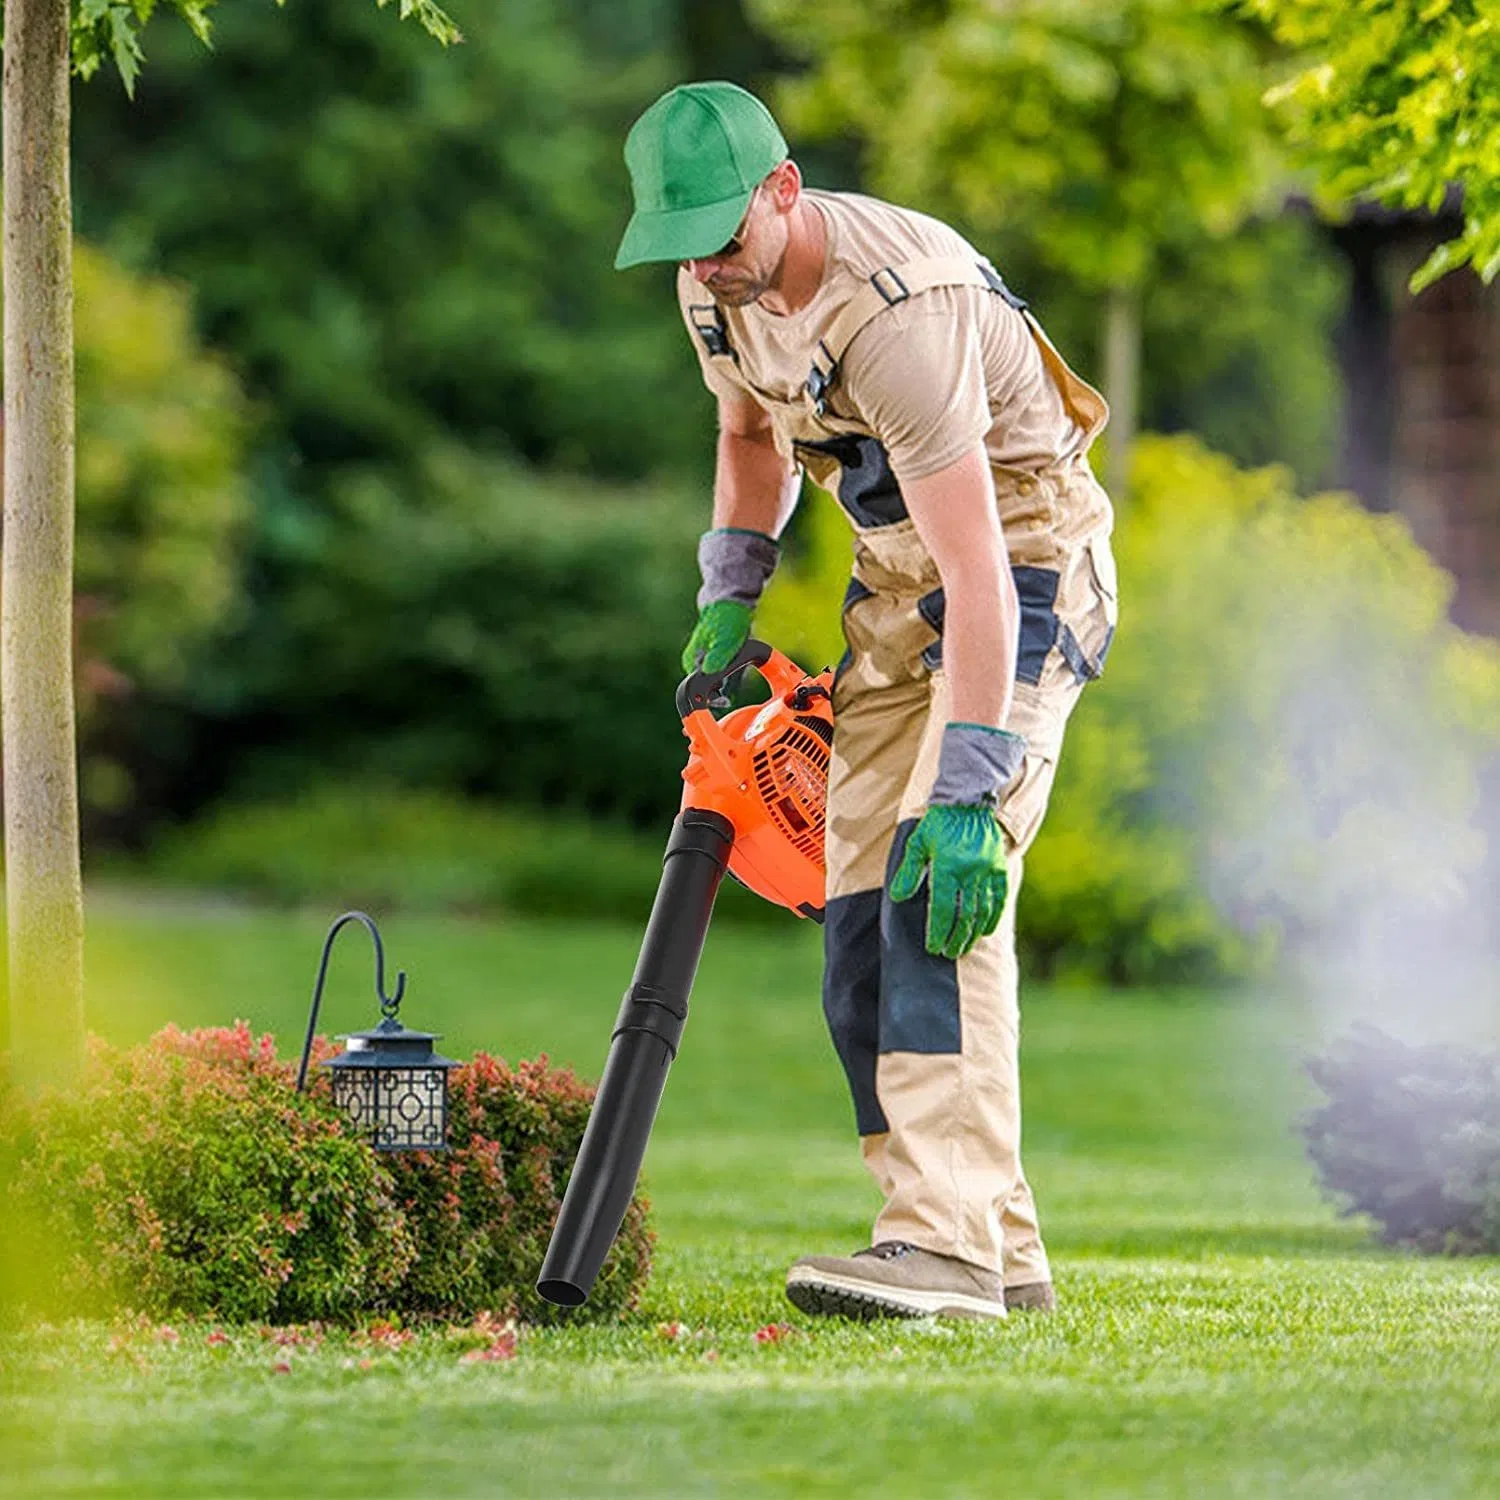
column 873, row 348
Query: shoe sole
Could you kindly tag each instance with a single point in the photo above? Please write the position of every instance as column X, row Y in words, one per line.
column 825, row 1293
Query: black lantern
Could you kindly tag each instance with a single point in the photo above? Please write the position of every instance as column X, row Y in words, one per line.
column 388, row 1081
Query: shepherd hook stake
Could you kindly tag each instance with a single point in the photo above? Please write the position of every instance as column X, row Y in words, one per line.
column 388, row 1004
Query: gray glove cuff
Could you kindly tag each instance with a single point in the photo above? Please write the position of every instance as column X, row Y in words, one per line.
column 976, row 762
column 735, row 565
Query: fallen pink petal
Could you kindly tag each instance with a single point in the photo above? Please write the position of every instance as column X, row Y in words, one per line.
column 772, row 1333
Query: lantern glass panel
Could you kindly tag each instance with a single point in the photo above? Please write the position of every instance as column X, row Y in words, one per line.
column 354, row 1092
column 411, row 1106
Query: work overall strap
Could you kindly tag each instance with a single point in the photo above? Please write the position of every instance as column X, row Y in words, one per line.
column 708, row 323
column 889, row 287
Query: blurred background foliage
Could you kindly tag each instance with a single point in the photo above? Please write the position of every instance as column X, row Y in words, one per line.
column 1396, row 101
column 434, row 470
column 164, row 511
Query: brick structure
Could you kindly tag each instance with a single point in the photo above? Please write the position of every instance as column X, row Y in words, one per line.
column 1421, row 429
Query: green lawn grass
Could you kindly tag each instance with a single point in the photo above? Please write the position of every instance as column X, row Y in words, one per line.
column 1220, row 1332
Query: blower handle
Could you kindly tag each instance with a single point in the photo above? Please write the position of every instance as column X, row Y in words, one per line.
column 706, row 689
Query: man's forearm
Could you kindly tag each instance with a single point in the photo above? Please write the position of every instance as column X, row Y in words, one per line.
column 955, row 514
column 755, row 487
column 981, row 628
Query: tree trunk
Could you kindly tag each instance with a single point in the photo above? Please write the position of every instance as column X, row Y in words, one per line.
column 1122, row 380
column 43, row 886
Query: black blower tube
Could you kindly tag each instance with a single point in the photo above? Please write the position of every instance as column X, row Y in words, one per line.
column 641, row 1050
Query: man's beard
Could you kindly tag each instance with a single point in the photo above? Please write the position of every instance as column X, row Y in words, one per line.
column 738, row 290
column 739, row 286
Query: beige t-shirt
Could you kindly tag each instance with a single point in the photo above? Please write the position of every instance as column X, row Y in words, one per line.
column 928, row 377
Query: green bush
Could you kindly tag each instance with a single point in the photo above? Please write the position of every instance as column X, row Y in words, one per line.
column 187, row 1176
column 1287, row 745
column 385, row 848
column 483, row 1212
column 1410, row 1135
column 479, row 628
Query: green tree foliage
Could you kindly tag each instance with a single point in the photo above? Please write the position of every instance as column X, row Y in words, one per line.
column 1237, row 338
column 799, row 614
column 1108, row 129
column 1399, row 100
column 111, row 30
column 401, row 244
column 406, row 252
column 1285, row 749
column 1104, row 132
column 162, row 503
column 1237, row 346
column 44, row 43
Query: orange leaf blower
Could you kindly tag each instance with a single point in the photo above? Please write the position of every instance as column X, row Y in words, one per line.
column 754, row 795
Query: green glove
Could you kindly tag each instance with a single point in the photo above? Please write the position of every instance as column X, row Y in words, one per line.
column 722, row 628
column 965, row 849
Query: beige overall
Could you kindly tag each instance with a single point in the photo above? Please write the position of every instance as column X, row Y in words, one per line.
column 929, row 1045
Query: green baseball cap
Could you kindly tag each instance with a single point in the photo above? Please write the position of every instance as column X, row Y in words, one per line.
column 695, row 159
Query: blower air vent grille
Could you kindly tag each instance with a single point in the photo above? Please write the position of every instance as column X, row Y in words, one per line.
column 820, row 727
column 792, row 779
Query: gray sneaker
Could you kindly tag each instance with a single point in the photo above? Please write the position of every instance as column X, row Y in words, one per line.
column 894, row 1280
column 1034, row 1296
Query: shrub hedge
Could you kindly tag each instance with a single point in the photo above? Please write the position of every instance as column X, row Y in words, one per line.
column 186, row 1176
column 482, row 1212
column 1410, row 1135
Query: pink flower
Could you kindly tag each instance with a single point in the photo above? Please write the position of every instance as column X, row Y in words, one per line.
column 167, row 1335
column 218, row 1336
column 281, row 1367
column 673, row 1330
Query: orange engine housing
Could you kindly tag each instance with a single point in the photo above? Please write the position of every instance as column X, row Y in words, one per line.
column 765, row 768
